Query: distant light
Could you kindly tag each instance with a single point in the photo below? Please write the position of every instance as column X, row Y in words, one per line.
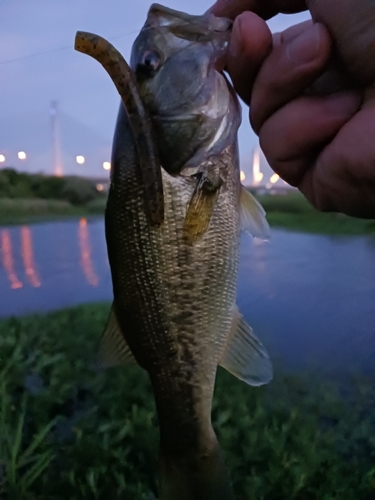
column 2, row 158
column 107, row 165
column 80, row 160
column 257, row 174
column 22, row 155
column 274, row 178
column 99, row 187
column 242, row 176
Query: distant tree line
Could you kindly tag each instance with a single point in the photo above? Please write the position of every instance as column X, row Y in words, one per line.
column 75, row 190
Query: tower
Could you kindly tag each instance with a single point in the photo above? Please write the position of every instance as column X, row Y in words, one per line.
column 56, row 149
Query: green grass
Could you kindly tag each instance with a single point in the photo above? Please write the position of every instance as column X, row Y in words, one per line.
column 293, row 212
column 67, row 431
column 26, row 211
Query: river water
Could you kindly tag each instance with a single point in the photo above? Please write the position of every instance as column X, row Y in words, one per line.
column 310, row 298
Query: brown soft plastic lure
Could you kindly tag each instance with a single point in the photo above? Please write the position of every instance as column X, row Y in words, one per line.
column 122, row 76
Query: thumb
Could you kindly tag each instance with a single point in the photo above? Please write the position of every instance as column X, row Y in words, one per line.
column 250, row 44
column 352, row 27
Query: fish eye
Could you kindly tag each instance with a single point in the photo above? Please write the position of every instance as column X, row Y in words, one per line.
column 150, row 62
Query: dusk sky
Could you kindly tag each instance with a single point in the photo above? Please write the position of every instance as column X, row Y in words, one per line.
column 85, row 93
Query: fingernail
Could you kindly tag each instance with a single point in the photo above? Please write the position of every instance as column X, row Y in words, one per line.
column 305, row 47
column 236, row 40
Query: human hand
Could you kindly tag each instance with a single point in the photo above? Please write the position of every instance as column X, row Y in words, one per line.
column 264, row 8
column 322, row 145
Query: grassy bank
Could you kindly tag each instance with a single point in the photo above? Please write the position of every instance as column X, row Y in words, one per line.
column 290, row 212
column 67, row 431
column 29, row 211
column 26, row 198
column 293, row 212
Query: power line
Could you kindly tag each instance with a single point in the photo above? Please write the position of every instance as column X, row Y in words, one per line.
column 29, row 56
column 22, row 58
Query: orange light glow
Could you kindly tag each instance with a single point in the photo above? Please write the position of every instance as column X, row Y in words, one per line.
column 274, row 178
column 242, row 176
column 28, row 257
column 8, row 261
column 257, row 174
column 85, row 249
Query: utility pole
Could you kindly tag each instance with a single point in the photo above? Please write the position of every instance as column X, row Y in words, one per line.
column 56, row 149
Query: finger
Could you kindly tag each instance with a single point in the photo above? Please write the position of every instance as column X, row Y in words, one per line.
column 291, row 33
column 265, row 9
column 250, row 44
column 343, row 178
column 291, row 137
column 351, row 25
column 290, row 68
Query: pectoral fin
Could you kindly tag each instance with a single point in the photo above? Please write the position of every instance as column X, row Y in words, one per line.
column 201, row 206
column 113, row 348
column 245, row 357
column 253, row 216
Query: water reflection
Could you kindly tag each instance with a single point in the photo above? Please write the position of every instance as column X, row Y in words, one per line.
column 25, row 252
column 28, row 257
column 311, row 299
column 8, row 260
column 85, row 248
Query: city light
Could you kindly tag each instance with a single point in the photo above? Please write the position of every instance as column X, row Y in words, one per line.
column 2, row 158
column 107, row 165
column 22, row 155
column 80, row 160
column 99, row 187
column 242, row 176
column 274, row 178
column 257, row 174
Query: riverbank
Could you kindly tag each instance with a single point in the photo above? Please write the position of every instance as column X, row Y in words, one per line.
column 29, row 198
column 294, row 213
column 32, row 211
column 69, row 431
column 291, row 212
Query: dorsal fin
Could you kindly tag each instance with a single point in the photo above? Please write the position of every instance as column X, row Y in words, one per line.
column 113, row 348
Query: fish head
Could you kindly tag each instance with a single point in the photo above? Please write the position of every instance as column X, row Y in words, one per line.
column 178, row 61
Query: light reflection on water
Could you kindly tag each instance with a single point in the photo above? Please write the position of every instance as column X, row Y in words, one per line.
column 85, row 250
column 310, row 299
column 8, row 260
column 52, row 265
column 28, row 257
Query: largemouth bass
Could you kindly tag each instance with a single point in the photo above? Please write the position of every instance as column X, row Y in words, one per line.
column 174, row 284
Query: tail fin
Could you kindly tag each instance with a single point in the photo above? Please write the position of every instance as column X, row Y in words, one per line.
column 198, row 477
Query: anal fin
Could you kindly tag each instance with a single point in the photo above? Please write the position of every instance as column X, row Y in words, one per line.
column 113, row 348
column 244, row 356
